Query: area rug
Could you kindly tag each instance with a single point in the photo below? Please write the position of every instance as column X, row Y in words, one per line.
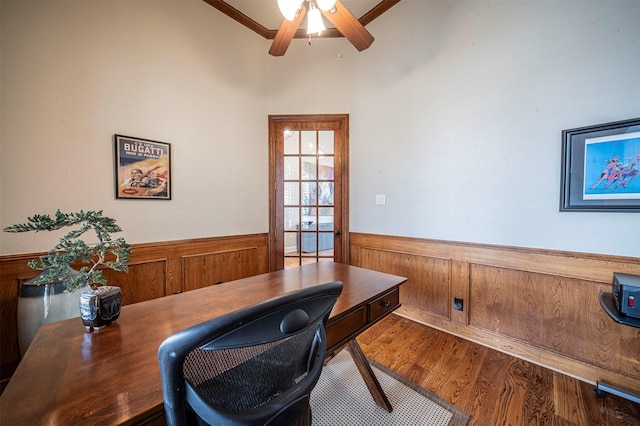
column 341, row 397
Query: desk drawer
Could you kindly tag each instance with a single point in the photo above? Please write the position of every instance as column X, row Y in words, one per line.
column 345, row 327
column 383, row 304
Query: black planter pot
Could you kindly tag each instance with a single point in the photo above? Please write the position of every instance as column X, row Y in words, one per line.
column 100, row 307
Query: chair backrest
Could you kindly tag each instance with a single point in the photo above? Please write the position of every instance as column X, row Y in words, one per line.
column 256, row 365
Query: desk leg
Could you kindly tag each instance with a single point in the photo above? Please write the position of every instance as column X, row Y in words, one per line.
column 367, row 374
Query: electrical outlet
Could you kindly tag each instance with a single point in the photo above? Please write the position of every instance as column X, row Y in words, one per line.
column 458, row 304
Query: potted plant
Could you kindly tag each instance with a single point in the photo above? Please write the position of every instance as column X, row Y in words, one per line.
column 101, row 304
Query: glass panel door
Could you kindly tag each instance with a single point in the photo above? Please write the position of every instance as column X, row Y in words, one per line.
column 308, row 186
column 308, row 197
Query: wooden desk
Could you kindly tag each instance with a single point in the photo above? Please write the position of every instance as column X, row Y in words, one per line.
column 111, row 376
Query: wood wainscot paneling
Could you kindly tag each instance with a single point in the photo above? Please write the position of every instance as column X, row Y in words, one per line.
column 428, row 278
column 554, row 313
column 155, row 270
column 203, row 270
column 145, row 280
column 539, row 305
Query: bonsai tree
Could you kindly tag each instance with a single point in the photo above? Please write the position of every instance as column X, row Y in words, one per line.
column 56, row 264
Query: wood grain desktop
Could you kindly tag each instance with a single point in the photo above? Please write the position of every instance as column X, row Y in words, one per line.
column 112, row 376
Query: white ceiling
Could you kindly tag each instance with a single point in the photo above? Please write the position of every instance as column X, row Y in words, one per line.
column 267, row 14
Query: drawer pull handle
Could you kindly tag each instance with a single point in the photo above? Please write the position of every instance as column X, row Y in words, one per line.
column 386, row 304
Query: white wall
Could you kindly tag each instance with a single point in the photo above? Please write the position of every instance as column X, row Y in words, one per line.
column 464, row 134
column 456, row 115
column 311, row 79
column 457, row 111
column 74, row 73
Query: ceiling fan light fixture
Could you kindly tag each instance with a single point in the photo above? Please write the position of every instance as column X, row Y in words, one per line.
column 289, row 8
column 339, row 16
column 315, row 24
column 326, row 5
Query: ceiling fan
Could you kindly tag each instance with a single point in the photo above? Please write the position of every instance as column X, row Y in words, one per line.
column 294, row 12
column 346, row 25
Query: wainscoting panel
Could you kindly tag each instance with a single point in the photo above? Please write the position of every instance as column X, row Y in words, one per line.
column 144, row 281
column 203, row 270
column 156, row 270
column 539, row 305
column 428, row 285
column 554, row 313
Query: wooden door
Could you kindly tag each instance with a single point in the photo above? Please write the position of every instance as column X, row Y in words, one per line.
column 308, row 187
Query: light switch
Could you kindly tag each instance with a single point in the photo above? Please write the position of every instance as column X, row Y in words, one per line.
column 381, row 199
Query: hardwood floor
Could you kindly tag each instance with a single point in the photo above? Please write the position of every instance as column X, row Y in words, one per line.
column 495, row 388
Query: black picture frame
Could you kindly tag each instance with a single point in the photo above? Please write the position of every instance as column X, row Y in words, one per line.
column 143, row 168
column 600, row 168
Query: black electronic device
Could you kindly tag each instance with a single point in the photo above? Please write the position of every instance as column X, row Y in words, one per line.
column 626, row 294
column 622, row 306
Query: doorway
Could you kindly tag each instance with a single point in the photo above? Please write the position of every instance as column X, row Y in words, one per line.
column 308, row 189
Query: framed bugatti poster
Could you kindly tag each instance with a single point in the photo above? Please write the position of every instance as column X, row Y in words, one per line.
column 143, row 168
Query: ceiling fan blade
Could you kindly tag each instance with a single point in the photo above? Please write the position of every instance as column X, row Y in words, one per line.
column 349, row 26
column 285, row 33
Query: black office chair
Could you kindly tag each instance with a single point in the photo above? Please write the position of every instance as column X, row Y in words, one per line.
column 254, row 366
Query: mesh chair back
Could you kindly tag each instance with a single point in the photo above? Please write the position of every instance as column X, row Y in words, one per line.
column 252, row 366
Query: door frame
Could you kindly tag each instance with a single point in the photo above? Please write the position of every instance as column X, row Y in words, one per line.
column 341, row 245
